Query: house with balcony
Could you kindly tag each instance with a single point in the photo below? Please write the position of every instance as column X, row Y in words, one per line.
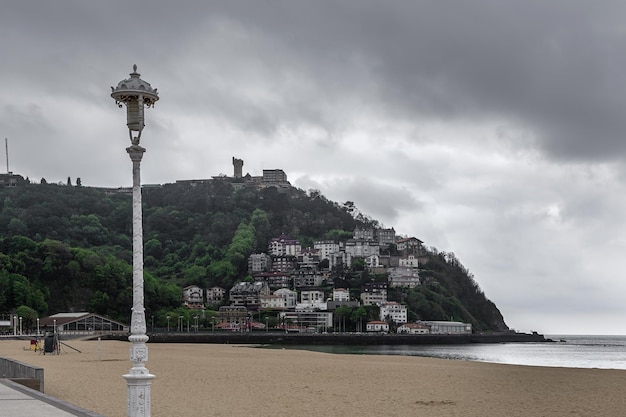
column 309, row 258
column 193, row 297
column 215, row 295
column 248, row 294
column 306, row 278
column 284, row 263
column 275, row 280
column 232, row 316
column 409, row 243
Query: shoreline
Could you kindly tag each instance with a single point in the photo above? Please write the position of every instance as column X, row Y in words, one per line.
column 225, row 380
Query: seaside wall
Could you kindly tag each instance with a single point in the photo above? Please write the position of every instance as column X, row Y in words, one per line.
column 333, row 339
column 22, row 373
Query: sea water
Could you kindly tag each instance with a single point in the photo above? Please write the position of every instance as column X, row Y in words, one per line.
column 604, row 352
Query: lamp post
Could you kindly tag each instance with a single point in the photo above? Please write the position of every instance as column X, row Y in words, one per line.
column 37, row 326
column 14, row 325
column 135, row 94
column 20, row 326
column 168, row 323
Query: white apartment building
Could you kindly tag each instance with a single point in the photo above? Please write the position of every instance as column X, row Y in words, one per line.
column 341, row 294
column 272, row 302
column 290, row 297
column 404, row 277
column 259, row 262
column 396, row 312
column 326, row 247
column 409, row 261
column 374, row 293
column 362, row 248
column 284, row 246
column 312, row 298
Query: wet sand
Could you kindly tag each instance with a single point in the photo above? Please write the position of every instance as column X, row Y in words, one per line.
column 228, row 380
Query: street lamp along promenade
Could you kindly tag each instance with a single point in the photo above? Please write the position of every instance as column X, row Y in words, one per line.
column 135, row 93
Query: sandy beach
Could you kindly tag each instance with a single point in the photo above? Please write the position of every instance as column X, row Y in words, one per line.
column 229, row 380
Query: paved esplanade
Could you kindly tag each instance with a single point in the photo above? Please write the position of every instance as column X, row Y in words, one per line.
column 19, row 401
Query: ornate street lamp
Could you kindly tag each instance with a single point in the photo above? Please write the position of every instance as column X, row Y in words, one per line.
column 135, row 93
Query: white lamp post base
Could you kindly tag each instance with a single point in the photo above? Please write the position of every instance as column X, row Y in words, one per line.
column 139, row 393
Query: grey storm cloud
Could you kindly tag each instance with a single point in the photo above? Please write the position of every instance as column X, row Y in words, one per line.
column 492, row 128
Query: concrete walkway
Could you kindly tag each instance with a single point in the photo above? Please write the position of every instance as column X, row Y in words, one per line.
column 19, row 401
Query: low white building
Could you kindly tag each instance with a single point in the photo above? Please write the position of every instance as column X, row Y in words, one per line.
column 377, row 326
column 413, row 328
column 302, row 320
column 448, row 327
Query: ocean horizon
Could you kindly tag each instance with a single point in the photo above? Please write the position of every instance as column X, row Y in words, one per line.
column 569, row 351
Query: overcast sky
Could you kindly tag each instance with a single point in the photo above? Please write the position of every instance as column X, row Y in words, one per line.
column 494, row 129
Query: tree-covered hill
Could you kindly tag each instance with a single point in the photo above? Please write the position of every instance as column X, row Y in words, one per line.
column 69, row 248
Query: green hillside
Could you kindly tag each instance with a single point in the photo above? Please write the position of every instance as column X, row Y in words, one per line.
column 68, row 248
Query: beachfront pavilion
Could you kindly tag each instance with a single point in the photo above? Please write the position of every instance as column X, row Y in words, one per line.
column 82, row 323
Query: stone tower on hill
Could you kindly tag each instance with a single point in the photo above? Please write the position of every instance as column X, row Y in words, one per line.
column 238, row 164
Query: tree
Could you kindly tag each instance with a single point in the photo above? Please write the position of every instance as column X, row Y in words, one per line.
column 78, row 182
column 29, row 317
